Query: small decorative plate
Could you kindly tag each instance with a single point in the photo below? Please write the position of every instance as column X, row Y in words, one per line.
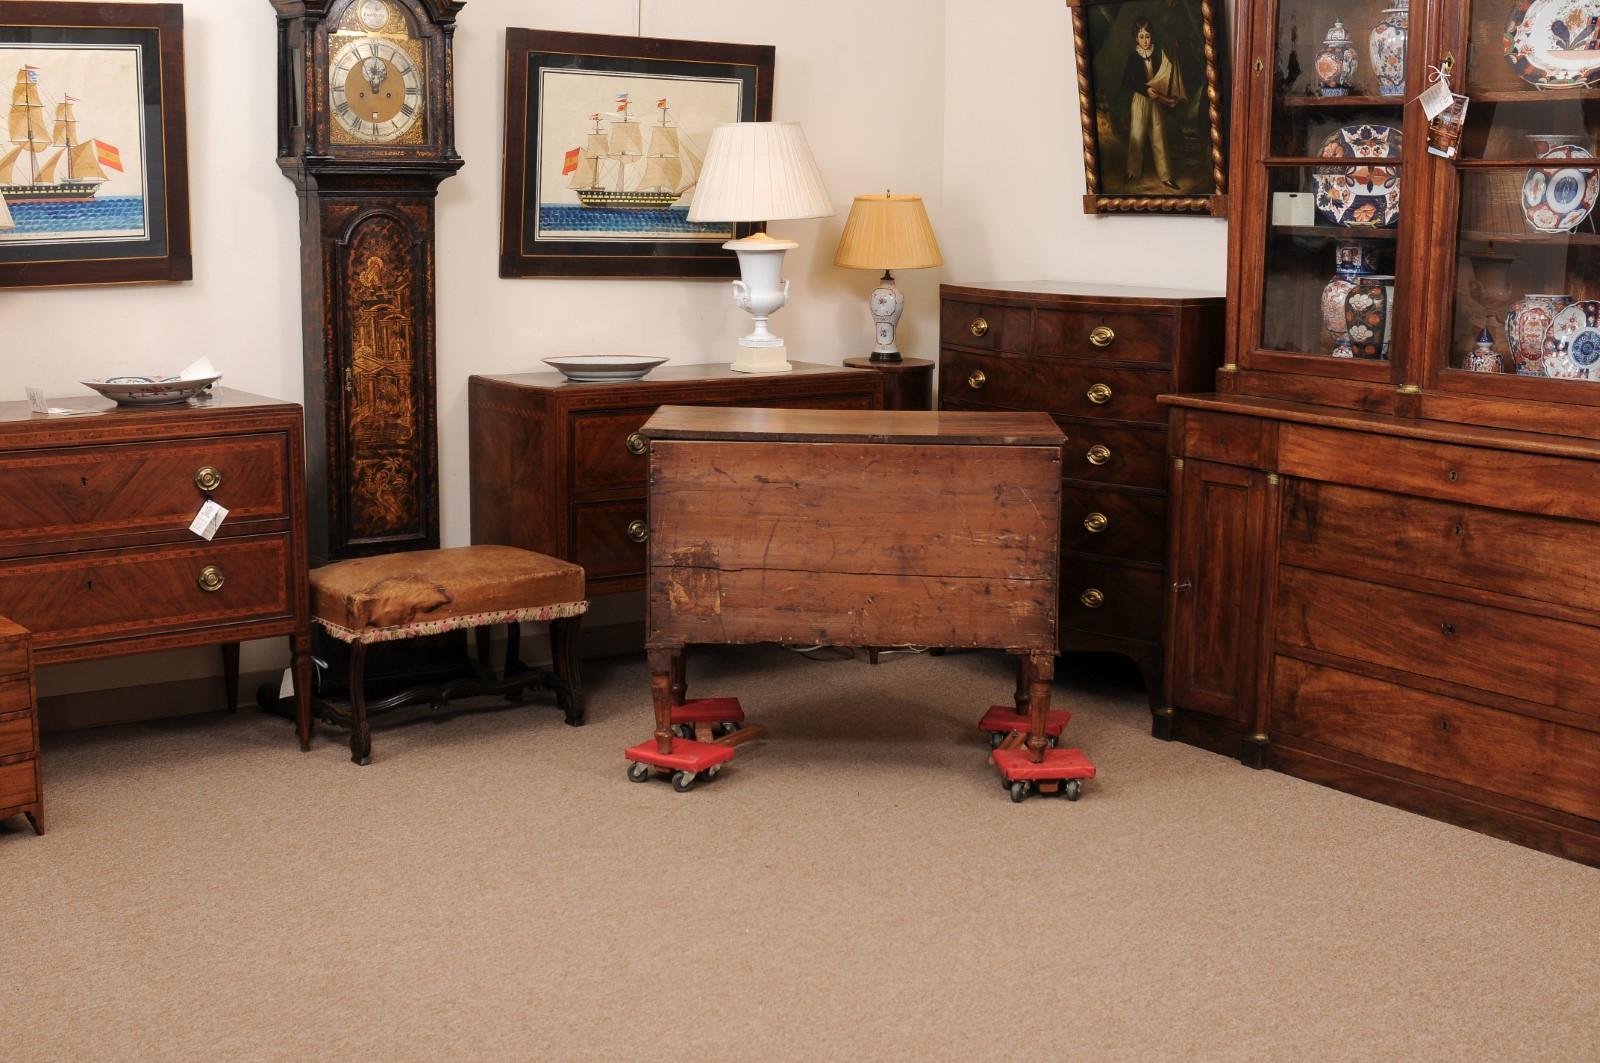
column 1556, row 199
column 1555, row 44
column 150, row 390
column 1572, row 346
column 1361, row 195
column 598, row 367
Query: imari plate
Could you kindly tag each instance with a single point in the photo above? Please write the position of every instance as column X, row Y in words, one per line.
column 1555, row 44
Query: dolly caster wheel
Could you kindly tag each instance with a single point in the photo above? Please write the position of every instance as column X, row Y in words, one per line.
column 1073, row 789
column 995, row 738
column 685, row 731
column 638, row 772
column 683, row 780
column 1019, row 790
column 1053, row 742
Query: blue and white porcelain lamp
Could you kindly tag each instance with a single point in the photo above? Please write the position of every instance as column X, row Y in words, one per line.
column 887, row 232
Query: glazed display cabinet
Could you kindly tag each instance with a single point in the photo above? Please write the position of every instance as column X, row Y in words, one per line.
column 1383, row 521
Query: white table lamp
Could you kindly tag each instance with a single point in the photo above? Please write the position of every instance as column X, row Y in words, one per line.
column 759, row 172
column 887, row 232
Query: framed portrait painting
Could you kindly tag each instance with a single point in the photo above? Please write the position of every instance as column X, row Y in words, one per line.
column 1152, row 89
column 94, row 182
column 603, row 145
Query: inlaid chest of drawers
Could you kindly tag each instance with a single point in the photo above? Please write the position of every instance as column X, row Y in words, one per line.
column 20, row 790
column 560, row 468
column 1094, row 357
column 96, row 555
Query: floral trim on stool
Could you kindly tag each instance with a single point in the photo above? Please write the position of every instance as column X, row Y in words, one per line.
column 418, row 628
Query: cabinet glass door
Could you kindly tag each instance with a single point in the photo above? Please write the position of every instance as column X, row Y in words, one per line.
column 1524, row 317
column 1334, row 157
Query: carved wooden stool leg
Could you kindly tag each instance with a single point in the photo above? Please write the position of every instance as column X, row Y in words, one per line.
column 514, row 650
column 300, row 662
column 564, row 660
column 1041, row 670
column 360, row 729
column 230, row 673
column 664, row 664
column 1021, row 695
column 483, row 635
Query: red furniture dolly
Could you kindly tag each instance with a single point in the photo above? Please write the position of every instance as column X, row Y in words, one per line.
column 1062, row 771
column 1002, row 720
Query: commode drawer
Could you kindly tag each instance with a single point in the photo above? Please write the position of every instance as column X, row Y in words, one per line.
column 16, row 731
column 1067, row 388
column 1110, row 599
column 1112, row 523
column 1117, row 336
column 984, row 326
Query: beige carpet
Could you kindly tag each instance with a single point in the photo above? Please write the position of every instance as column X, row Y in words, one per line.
column 856, row 887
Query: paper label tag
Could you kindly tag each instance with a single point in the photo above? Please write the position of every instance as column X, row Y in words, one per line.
column 208, row 520
column 36, row 400
column 286, row 685
column 1435, row 98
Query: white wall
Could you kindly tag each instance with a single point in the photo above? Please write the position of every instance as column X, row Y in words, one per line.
column 1013, row 165
column 872, row 114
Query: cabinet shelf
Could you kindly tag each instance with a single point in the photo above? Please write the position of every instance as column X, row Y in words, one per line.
column 1338, row 160
column 1370, row 103
column 1553, row 239
column 1335, row 232
column 1534, row 95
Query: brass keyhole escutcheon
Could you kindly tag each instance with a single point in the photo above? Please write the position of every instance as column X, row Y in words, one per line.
column 1444, row 725
column 1447, row 628
column 1099, row 394
column 1092, row 598
column 979, row 327
column 638, row 531
column 1460, row 530
column 1454, row 475
column 1259, row 66
column 1182, row 585
column 1098, row 454
column 636, row 444
column 208, row 479
column 976, row 379
column 1096, row 522
column 1102, row 335
column 210, row 579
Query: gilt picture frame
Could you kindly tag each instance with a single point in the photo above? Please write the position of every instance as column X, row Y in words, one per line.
column 1153, row 97
column 604, row 136
column 94, row 185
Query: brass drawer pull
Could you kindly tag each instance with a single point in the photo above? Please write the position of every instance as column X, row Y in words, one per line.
column 1096, row 522
column 976, row 379
column 1098, row 454
column 638, row 531
column 636, row 444
column 1102, row 335
column 1092, row 598
column 210, row 579
column 207, row 478
column 1099, row 394
column 1182, row 585
column 979, row 326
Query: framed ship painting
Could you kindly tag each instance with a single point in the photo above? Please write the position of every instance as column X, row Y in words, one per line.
column 1152, row 90
column 603, row 145
column 93, row 164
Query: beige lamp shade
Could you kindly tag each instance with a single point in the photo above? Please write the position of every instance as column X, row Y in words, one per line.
column 759, row 171
column 888, row 232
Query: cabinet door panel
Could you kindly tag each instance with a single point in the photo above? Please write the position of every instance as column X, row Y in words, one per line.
column 1220, row 515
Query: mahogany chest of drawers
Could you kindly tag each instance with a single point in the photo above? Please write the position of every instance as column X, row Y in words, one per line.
column 1094, row 357
column 96, row 555
column 560, row 468
column 20, row 791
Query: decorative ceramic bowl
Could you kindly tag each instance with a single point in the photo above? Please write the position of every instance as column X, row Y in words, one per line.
column 1556, row 199
column 598, row 367
column 1360, row 195
column 150, row 390
column 1555, row 44
column 1572, row 346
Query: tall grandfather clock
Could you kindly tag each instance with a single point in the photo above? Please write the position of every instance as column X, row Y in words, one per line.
column 366, row 132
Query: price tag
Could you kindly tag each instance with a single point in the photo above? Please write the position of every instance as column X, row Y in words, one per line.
column 36, row 400
column 208, row 520
column 1436, row 98
column 286, row 685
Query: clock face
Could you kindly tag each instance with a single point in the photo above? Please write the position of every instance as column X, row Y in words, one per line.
column 375, row 88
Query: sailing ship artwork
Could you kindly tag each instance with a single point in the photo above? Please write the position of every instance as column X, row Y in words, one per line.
column 70, row 165
column 627, row 168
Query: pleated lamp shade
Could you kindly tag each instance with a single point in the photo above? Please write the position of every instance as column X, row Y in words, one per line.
column 759, row 171
column 888, row 232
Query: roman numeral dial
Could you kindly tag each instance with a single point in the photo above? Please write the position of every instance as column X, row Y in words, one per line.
column 376, row 89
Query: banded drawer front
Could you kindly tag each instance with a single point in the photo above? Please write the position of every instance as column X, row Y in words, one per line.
column 1444, row 737
column 1355, row 530
column 87, row 491
column 1136, row 457
column 608, row 539
column 1533, row 658
column 1067, row 388
column 64, row 599
column 16, row 730
column 1110, row 599
column 19, row 782
column 13, row 657
column 985, row 327
column 1117, row 336
column 1119, row 524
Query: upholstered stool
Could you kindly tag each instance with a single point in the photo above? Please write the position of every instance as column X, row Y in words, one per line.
column 428, row 592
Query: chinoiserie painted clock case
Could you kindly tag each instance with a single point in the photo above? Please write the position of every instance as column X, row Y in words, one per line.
column 366, row 133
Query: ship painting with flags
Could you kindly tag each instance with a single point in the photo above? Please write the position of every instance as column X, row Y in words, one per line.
column 48, row 160
column 620, row 169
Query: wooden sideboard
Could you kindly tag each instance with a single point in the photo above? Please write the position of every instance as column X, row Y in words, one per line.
column 1399, row 608
column 96, row 555
column 21, row 792
column 1095, row 357
column 560, row 468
